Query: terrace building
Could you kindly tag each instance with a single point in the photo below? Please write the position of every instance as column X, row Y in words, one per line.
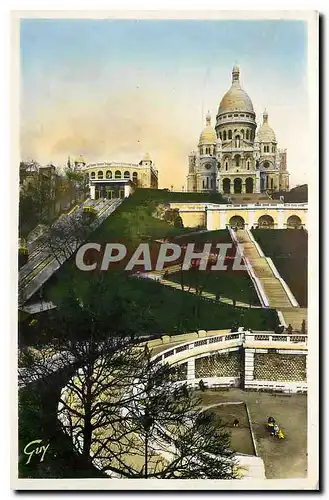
column 117, row 179
column 234, row 157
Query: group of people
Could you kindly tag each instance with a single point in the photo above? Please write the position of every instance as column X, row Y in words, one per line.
column 289, row 329
column 274, row 428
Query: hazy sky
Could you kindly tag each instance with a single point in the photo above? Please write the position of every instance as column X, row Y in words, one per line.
column 114, row 89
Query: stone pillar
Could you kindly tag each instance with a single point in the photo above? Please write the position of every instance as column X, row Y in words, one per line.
column 127, row 190
column 251, row 218
column 281, row 219
column 210, row 220
column 190, row 369
column 232, row 187
column 222, row 219
column 243, row 190
column 257, row 185
column 92, row 192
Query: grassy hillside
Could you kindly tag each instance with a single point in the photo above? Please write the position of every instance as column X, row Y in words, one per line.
column 288, row 250
column 165, row 310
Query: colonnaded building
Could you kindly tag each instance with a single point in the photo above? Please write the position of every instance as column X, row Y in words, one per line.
column 116, row 179
column 235, row 157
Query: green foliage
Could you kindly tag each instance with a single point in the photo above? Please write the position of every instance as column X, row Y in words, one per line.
column 234, row 285
column 140, row 306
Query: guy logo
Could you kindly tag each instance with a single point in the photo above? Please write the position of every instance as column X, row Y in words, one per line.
column 32, row 449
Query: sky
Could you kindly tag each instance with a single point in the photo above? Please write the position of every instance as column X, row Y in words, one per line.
column 113, row 90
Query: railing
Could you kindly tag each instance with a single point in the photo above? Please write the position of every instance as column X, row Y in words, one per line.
column 234, row 338
column 238, row 338
column 272, row 338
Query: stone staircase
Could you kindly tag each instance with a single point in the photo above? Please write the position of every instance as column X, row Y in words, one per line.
column 273, row 288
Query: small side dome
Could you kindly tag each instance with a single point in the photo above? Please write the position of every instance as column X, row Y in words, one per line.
column 208, row 135
column 266, row 133
column 79, row 159
column 146, row 157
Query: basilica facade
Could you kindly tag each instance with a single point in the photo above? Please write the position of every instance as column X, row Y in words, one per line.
column 235, row 157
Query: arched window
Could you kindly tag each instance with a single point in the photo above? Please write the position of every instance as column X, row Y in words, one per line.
column 247, row 135
column 242, row 133
column 117, row 174
column 92, row 175
column 272, row 182
column 230, row 134
column 224, row 135
column 201, row 151
column 226, row 165
column 126, row 175
column 108, row 174
column 273, row 149
column 135, row 176
column 237, row 160
column 248, row 164
column 100, row 175
column 220, row 135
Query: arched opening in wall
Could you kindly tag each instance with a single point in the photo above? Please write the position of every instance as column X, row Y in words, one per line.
column 224, row 135
column 92, row 175
column 237, row 185
column 247, row 135
column 242, row 133
column 108, row 174
column 220, row 135
column 272, row 182
column 266, row 222
column 237, row 221
column 226, row 164
column 249, row 185
column 226, row 185
column 230, row 134
column 117, row 174
column 294, row 222
column 126, row 175
column 237, row 160
column 237, row 141
column 100, row 175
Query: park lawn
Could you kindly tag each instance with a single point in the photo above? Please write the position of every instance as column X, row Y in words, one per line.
column 231, row 284
column 202, row 237
column 161, row 309
column 165, row 310
column 288, row 250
